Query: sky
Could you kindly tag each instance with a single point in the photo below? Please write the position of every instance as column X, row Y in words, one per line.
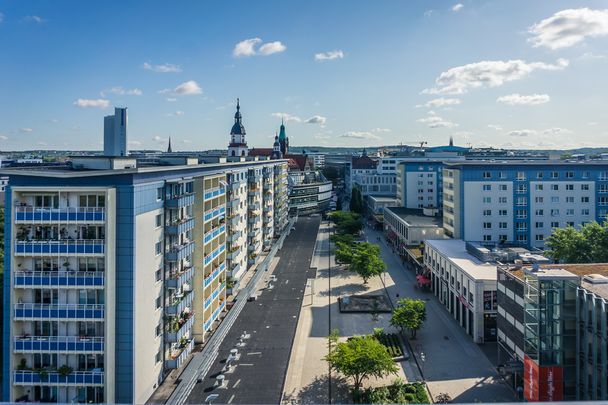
column 514, row 74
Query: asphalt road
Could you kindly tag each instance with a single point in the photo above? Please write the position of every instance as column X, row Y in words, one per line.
column 271, row 320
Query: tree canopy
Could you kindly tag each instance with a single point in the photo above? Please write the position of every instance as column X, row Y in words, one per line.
column 356, row 201
column 587, row 245
column 361, row 357
column 366, row 261
column 347, row 222
column 409, row 314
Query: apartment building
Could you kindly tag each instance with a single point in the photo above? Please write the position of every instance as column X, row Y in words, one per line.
column 522, row 201
column 420, row 183
column 114, row 272
column 552, row 330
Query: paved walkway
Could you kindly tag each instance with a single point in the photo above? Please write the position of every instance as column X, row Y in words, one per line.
column 307, row 376
column 451, row 362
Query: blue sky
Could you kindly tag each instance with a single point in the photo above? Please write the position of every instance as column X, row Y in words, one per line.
column 512, row 73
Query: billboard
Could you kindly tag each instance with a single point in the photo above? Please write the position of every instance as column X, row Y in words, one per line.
column 542, row 383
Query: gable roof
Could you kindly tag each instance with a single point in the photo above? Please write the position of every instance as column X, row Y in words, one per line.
column 364, row 162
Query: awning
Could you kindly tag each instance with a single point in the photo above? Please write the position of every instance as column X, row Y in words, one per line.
column 422, row 280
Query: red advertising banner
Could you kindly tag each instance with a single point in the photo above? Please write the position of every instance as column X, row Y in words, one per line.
column 542, row 383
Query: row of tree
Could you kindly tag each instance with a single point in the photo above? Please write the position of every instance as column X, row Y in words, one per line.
column 587, row 245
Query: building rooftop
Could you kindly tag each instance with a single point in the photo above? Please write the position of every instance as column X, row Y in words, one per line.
column 382, row 199
column 455, row 251
column 415, row 217
column 524, row 162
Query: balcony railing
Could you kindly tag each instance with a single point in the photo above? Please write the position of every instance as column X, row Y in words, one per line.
column 173, row 337
column 50, row 214
column 180, row 303
column 53, row 378
column 59, row 311
column 214, row 254
column 214, row 316
column 180, row 356
column 179, row 201
column 214, row 233
column 209, row 279
column 214, row 213
column 60, row 247
column 232, row 254
column 26, row 279
column 178, row 279
column 178, row 252
column 61, row 344
column 218, row 191
column 180, row 226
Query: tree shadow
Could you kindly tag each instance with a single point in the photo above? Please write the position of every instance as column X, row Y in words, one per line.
column 317, row 392
column 346, row 289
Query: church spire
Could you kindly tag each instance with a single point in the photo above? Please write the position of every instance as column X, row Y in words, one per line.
column 169, row 150
column 451, row 140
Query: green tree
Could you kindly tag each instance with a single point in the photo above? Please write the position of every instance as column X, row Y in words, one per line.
column 344, row 252
column 359, row 358
column 366, row 261
column 347, row 222
column 356, row 201
column 409, row 314
column 587, row 245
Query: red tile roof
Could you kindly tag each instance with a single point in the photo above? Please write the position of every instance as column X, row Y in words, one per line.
column 364, row 162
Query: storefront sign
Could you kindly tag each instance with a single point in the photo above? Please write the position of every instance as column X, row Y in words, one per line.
column 542, row 383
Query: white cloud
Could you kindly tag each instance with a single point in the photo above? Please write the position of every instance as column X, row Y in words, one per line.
column 271, row 47
column 440, row 102
column 254, row 46
column 1, row 17
column 428, row 13
column 178, row 113
column 518, row 99
column 34, row 18
column 457, row 7
column 188, row 88
column 3, row 137
column 134, row 143
column 286, row 117
column 316, row 119
column 26, row 130
column 495, row 127
column 360, row 135
column 186, row 141
column 322, row 136
column 592, row 123
column 163, row 68
column 381, row 130
column 523, row 132
column 171, row 99
column 549, row 132
column 432, row 120
column 330, row 55
column 120, row 91
column 159, row 139
column 92, row 103
column 569, row 27
column 461, row 79
column 594, row 56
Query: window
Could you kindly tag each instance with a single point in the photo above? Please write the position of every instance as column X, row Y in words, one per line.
column 555, row 224
column 487, row 238
column 539, row 225
column 158, row 302
column 487, row 213
column 584, row 199
column 570, row 211
column 521, row 176
column 539, row 200
column 569, row 187
column 487, row 187
column 158, row 248
column 555, row 212
column 540, row 213
column 158, row 274
column 569, row 223
column 502, row 213
column 538, row 187
column 158, row 330
column 159, row 193
column 502, row 175
column 502, row 200
column 502, row 187
column 487, row 225
column 522, row 201
column 158, row 357
column 522, row 238
column 502, row 225
column 554, row 187
column 585, row 211
column 487, row 175
column 539, row 237
column 569, row 175
column 569, row 199
column 487, row 200
column 554, row 175
column 159, row 220
column 539, row 175
column 585, row 187
column 555, row 199
column 521, row 214
column 502, row 238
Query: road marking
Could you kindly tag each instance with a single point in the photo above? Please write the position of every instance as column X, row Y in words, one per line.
column 246, row 364
column 254, row 354
column 231, row 398
column 236, row 383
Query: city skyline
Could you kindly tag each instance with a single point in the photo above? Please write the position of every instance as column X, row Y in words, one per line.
column 487, row 74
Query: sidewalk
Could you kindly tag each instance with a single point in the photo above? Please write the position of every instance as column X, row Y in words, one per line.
column 307, row 376
column 451, row 362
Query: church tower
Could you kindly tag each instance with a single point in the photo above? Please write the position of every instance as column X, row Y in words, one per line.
column 169, row 150
column 283, row 140
column 276, row 149
column 237, row 145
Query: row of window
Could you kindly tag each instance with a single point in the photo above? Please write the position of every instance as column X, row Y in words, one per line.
column 523, row 201
column 541, row 175
column 522, row 188
column 521, row 214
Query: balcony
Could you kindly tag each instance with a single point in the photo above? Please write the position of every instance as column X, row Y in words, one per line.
column 233, row 253
column 235, row 269
column 214, row 316
column 178, row 331
column 233, row 203
column 214, row 213
column 179, row 226
column 178, row 201
column 209, row 279
column 53, row 378
column 27, row 279
column 234, row 236
column 66, row 214
column 214, row 254
column 254, row 219
column 234, row 220
column 179, row 252
column 216, row 192
column 180, row 303
column 252, row 192
column 180, row 355
column 254, row 206
column 254, row 233
column 60, row 247
column 214, row 295
column 59, row 311
column 214, row 233
column 254, row 245
column 177, row 279
column 58, row 344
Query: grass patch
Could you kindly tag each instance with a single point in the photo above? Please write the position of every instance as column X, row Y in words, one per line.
column 397, row 393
